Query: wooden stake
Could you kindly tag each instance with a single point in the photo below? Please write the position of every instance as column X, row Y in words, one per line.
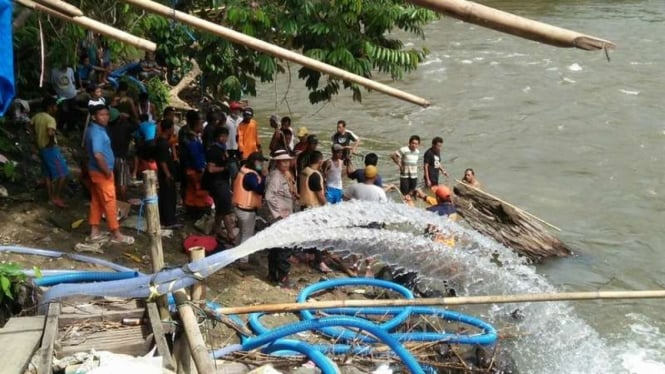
column 200, row 354
column 93, row 25
column 447, row 301
column 198, row 290
column 154, row 228
column 274, row 50
column 509, row 23
column 508, row 204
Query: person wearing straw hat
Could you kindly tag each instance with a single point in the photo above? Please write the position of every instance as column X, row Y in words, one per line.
column 281, row 196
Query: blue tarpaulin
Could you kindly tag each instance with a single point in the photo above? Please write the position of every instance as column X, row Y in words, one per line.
column 7, row 89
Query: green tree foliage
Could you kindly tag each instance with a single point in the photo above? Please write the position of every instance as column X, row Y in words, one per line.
column 355, row 35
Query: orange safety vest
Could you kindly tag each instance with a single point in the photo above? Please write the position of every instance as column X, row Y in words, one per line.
column 308, row 197
column 243, row 198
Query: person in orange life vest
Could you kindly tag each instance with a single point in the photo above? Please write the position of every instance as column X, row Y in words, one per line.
column 248, row 189
column 311, row 184
column 197, row 200
column 100, row 165
column 248, row 134
column 444, row 207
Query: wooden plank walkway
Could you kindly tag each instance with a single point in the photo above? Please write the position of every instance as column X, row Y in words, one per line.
column 19, row 340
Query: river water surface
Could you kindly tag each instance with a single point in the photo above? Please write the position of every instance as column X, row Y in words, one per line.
column 563, row 133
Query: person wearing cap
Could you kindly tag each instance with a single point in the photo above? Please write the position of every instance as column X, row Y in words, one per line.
column 248, row 134
column 406, row 159
column 347, row 139
column 444, row 205
column 248, row 190
column 310, row 182
column 100, row 165
column 332, row 170
column 366, row 191
column 121, row 130
column 302, row 135
column 281, row 197
column 54, row 166
column 303, row 159
column 166, row 176
column 217, row 182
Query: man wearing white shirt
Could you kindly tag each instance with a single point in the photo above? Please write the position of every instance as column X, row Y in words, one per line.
column 232, row 122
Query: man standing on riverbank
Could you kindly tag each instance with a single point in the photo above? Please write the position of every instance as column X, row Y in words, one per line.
column 54, row 166
column 432, row 163
column 406, row 159
column 100, row 164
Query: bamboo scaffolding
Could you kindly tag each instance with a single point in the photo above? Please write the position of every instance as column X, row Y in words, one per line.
column 91, row 24
column 447, row 301
column 274, row 50
column 509, row 23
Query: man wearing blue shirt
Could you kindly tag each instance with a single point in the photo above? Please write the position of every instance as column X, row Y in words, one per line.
column 102, row 190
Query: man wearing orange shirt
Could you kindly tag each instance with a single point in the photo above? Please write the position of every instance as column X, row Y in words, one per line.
column 248, row 134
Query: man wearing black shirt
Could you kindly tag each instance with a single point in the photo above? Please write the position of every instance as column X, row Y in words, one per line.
column 217, row 182
column 432, row 163
column 120, row 130
column 166, row 171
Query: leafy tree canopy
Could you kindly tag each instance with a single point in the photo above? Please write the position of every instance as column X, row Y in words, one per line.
column 355, row 35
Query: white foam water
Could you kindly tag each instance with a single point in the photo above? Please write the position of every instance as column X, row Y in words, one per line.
column 551, row 338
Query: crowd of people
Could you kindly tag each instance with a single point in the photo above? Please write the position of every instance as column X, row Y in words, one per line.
column 215, row 162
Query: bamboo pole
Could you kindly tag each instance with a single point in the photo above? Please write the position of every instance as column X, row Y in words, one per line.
column 198, row 290
column 153, row 228
column 447, row 301
column 93, row 25
column 508, row 204
column 197, row 347
column 509, row 23
column 62, row 7
column 274, row 50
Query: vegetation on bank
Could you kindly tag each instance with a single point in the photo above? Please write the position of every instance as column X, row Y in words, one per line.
column 355, row 35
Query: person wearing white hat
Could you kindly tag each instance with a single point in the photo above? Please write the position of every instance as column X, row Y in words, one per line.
column 280, row 198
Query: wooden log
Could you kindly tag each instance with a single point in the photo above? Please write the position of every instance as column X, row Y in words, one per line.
column 160, row 339
column 198, row 290
column 19, row 339
column 48, row 339
column 153, row 226
column 448, row 301
column 93, row 25
column 274, row 50
column 509, row 204
column 507, row 224
column 509, row 23
column 197, row 347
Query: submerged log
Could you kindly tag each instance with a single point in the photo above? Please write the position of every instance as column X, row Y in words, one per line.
column 511, row 227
